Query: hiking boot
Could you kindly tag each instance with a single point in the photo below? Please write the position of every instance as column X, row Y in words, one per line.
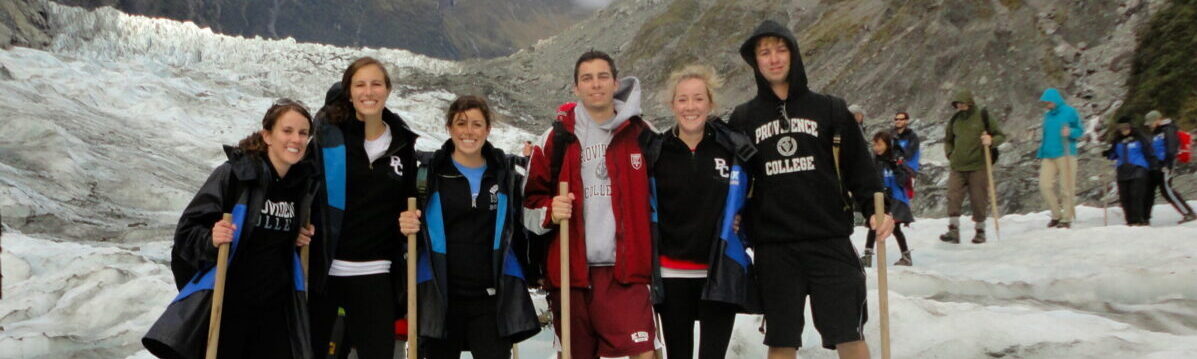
column 952, row 236
column 905, row 260
column 1188, row 218
column 1064, row 225
column 867, row 258
column 1053, row 223
column 979, row 237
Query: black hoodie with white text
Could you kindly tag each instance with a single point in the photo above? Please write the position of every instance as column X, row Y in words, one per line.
column 797, row 193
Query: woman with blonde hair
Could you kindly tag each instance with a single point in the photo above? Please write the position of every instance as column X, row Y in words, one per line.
column 699, row 188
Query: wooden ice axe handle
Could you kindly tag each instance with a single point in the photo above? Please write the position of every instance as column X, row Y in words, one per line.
column 222, row 268
column 412, row 317
column 882, row 277
column 565, row 279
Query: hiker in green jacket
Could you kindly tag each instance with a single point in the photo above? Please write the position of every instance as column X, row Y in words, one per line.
column 969, row 128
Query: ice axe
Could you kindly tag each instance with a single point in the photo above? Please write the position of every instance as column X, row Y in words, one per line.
column 564, row 189
column 882, row 278
column 222, row 268
column 997, row 231
column 412, row 317
column 305, row 253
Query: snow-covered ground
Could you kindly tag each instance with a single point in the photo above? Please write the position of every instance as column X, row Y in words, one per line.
column 1090, row 292
column 106, row 137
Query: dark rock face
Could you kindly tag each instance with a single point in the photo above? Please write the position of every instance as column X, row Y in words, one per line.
column 23, row 23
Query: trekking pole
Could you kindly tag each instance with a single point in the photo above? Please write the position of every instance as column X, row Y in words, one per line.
column 565, row 280
column 997, row 230
column 1105, row 203
column 305, row 253
column 1068, row 169
column 882, row 277
column 222, row 268
column 412, row 317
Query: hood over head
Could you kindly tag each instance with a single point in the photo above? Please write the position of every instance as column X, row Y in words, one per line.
column 797, row 77
column 964, row 96
column 1052, row 95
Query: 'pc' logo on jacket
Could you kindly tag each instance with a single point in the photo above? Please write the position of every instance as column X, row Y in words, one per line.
column 397, row 164
column 637, row 161
column 721, row 166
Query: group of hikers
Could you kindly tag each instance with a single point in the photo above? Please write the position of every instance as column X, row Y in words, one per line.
column 659, row 223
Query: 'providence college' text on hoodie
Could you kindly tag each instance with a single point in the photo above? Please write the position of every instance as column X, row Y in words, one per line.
column 796, row 194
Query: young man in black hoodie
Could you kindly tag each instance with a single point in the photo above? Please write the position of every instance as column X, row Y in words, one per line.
column 799, row 218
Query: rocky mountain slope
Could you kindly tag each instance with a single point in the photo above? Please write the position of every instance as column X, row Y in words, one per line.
column 888, row 56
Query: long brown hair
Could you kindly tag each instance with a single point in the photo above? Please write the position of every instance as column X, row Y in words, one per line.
column 254, row 142
column 342, row 108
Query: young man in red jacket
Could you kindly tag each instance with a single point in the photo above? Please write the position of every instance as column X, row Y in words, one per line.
column 596, row 148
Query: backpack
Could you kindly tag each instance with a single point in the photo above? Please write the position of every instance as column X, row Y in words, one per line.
column 993, row 150
column 1184, row 150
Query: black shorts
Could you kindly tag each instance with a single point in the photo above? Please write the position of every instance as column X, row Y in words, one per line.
column 830, row 272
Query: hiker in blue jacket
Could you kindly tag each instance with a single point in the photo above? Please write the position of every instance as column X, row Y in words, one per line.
column 1057, row 154
column 1165, row 144
column 1133, row 158
column 895, row 177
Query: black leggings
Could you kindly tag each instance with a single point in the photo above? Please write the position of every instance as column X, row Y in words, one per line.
column 872, row 239
column 682, row 307
column 472, row 324
column 1156, row 180
column 369, row 316
column 1132, row 194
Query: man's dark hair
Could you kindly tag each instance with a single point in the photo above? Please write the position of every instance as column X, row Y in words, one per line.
column 595, row 55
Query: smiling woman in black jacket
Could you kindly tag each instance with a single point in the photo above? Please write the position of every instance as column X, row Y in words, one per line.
column 699, row 188
column 366, row 154
column 268, row 189
column 473, row 295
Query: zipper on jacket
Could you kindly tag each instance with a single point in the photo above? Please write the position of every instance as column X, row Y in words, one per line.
column 785, row 117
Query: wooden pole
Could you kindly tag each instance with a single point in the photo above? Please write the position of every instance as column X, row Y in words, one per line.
column 565, row 280
column 413, row 337
column 997, row 230
column 1105, row 204
column 305, row 254
column 222, row 268
column 882, row 275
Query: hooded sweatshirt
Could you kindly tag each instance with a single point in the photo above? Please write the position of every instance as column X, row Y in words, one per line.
column 1054, row 120
column 622, row 191
column 1165, row 143
column 962, row 142
column 596, row 183
column 797, row 194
